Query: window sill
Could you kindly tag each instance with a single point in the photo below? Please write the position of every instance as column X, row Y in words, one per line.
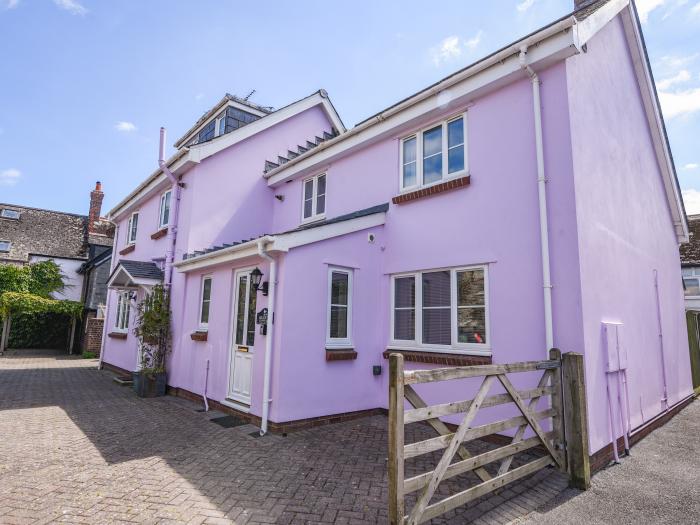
column 442, row 187
column 160, row 233
column 313, row 220
column 199, row 335
column 340, row 354
column 128, row 249
column 117, row 335
column 439, row 358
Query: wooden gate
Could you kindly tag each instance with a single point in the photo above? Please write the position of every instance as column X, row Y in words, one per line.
column 552, row 441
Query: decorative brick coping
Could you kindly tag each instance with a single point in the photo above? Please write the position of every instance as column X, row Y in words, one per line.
column 437, row 358
column 432, row 190
column 199, row 336
column 601, row 458
column 117, row 335
column 160, row 233
column 128, row 249
column 340, row 354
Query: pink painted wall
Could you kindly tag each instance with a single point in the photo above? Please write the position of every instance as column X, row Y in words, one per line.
column 625, row 233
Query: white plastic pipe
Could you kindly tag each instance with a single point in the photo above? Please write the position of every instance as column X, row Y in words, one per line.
column 542, row 197
column 269, row 336
column 174, row 212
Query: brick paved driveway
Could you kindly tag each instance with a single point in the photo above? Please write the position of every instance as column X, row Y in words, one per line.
column 76, row 447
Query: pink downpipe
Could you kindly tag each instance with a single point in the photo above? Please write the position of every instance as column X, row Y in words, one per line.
column 174, row 215
column 661, row 340
column 613, row 433
column 206, row 382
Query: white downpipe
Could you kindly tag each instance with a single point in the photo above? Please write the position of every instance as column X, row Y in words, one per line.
column 542, row 196
column 269, row 336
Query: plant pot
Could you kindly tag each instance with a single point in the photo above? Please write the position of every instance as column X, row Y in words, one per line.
column 149, row 384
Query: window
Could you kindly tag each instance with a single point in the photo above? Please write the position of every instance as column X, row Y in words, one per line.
column 434, row 154
column 5, row 246
column 121, row 321
column 164, row 219
column 245, row 311
column 131, row 228
column 204, row 303
column 691, row 281
column 9, row 214
column 445, row 309
column 339, row 307
column 314, row 201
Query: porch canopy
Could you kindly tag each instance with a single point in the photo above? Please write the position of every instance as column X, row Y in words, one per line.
column 130, row 275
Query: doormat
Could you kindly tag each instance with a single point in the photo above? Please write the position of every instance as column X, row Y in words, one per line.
column 228, row 421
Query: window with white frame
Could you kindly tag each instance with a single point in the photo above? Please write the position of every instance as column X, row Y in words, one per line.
column 6, row 213
column 446, row 309
column 121, row 321
column 434, row 154
column 691, row 281
column 339, row 307
column 204, row 303
column 164, row 216
column 5, row 246
column 132, row 227
column 314, row 198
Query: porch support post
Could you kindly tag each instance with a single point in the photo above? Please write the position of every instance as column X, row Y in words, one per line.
column 576, row 421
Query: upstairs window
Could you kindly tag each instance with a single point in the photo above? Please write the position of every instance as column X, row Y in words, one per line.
column 204, row 303
column 434, row 154
column 339, row 307
column 314, row 198
column 5, row 246
column 164, row 216
column 121, row 321
column 132, row 227
column 9, row 214
column 445, row 310
column 691, row 281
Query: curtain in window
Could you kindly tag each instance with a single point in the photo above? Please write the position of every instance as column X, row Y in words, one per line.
column 436, row 308
column 339, row 306
column 405, row 308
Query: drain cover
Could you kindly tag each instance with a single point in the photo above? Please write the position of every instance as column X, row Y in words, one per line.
column 228, row 421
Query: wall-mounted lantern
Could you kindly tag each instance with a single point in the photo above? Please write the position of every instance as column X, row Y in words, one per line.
column 255, row 278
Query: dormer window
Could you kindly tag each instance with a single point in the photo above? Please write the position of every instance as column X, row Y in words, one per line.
column 228, row 120
column 434, row 154
column 6, row 213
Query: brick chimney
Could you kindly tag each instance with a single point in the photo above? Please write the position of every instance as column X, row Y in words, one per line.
column 96, row 197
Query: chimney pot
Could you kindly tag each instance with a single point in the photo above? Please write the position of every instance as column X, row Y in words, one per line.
column 98, row 186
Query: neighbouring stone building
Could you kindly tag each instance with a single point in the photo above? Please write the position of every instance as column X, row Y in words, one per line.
column 80, row 244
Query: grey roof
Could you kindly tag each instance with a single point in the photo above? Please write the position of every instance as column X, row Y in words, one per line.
column 381, row 208
column 141, row 269
column 310, row 144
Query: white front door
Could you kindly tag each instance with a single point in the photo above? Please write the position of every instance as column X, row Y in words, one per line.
column 243, row 341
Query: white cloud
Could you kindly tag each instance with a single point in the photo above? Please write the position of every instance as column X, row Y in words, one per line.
column 452, row 48
column 474, row 41
column 72, row 6
column 682, row 76
column 10, row 4
column 695, row 10
column 645, row 7
column 199, row 96
column 125, row 126
column 525, row 5
column 10, row 177
column 680, row 102
column 691, row 166
column 691, row 199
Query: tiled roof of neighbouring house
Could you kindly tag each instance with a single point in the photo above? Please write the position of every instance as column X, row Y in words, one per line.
column 690, row 251
column 381, row 208
column 310, row 144
column 141, row 269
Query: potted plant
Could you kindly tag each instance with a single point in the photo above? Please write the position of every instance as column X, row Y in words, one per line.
column 153, row 332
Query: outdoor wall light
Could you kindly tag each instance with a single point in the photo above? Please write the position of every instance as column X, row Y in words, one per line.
column 255, row 278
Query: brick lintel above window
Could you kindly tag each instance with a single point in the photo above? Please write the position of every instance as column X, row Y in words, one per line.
column 442, row 187
column 117, row 335
column 128, row 249
column 340, row 354
column 160, row 233
column 439, row 358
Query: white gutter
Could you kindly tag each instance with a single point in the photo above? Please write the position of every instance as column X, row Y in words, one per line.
column 268, row 336
column 542, row 197
column 500, row 56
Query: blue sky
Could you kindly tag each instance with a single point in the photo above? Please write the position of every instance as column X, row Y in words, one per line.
column 86, row 84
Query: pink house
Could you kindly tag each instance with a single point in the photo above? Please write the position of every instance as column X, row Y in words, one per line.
column 525, row 202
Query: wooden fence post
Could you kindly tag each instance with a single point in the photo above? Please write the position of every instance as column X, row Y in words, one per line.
column 576, row 421
column 396, row 428
column 557, row 405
